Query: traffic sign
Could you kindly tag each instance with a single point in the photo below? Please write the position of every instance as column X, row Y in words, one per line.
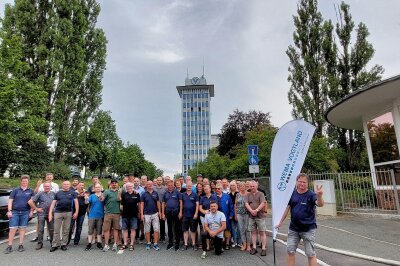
column 254, row 169
column 253, row 159
column 252, row 149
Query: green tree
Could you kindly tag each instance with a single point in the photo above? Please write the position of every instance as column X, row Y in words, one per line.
column 309, row 58
column 352, row 74
column 22, row 144
column 233, row 132
column 65, row 53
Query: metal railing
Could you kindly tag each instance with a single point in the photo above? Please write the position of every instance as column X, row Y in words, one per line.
column 375, row 192
column 369, row 192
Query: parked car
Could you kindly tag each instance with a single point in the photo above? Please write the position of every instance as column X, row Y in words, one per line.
column 4, row 195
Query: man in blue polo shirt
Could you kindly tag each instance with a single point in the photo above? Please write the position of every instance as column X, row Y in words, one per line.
column 172, row 211
column 19, row 211
column 62, row 206
column 302, row 205
column 190, row 201
column 150, row 212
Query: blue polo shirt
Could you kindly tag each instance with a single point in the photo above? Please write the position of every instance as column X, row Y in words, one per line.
column 64, row 200
column 171, row 200
column 189, row 204
column 150, row 202
column 302, row 211
column 20, row 199
column 205, row 202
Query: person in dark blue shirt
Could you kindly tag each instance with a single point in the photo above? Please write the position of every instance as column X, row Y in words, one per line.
column 302, row 222
column 19, row 210
column 172, row 211
column 150, row 214
column 190, row 201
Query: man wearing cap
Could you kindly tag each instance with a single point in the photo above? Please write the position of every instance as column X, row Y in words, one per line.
column 112, row 198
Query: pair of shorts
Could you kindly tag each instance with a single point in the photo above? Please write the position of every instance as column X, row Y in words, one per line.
column 19, row 219
column 111, row 220
column 130, row 223
column 189, row 223
column 96, row 223
column 257, row 224
column 308, row 240
column 151, row 220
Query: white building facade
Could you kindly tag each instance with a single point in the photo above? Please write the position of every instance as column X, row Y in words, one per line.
column 196, row 121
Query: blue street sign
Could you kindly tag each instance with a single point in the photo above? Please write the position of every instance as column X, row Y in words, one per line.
column 252, row 149
column 253, row 159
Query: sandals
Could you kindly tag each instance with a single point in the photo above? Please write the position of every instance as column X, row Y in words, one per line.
column 131, row 248
column 123, row 247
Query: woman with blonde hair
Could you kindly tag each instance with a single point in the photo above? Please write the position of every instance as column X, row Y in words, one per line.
column 242, row 216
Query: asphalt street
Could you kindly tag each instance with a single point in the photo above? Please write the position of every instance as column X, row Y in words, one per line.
column 326, row 236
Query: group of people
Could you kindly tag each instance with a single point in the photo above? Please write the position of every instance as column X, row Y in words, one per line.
column 218, row 214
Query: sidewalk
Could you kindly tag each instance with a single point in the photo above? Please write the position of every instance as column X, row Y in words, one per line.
column 367, row 235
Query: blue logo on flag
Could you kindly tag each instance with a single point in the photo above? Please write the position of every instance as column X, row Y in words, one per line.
column 281, row 186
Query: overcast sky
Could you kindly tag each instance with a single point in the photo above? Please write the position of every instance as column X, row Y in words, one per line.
column 151, row 44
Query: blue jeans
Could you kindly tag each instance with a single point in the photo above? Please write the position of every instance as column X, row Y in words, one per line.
column 235, row 232
column 78, row 223
column 19, row 219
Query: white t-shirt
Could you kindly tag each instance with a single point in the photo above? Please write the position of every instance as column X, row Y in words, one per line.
column 54, row 187
column 214, row 221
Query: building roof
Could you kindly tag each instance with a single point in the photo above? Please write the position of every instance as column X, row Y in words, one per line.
column 370, row 100
column 209, row 87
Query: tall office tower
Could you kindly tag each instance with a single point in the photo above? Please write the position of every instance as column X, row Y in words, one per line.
column 196, row 127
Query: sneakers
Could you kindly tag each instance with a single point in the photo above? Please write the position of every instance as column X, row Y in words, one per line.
column 203, row 255
column 184, row 247
column 89, row 246
column 21, row 248
column 176, row 247
column 35, row 239
column 195, row 248
column 148, row 246
column 170, row 246
column 99, row 245
column 8, row 250
column 253, row 251
column 115, row 247
column 234, row 244
column 156, row 247
column 106, row 248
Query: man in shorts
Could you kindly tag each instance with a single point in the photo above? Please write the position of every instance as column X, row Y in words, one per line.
column 302, row 205
column 130, row 202
column 19, row 212
column 190, row 201
column 112, row 197
column 96, row 215
column 255, row 203
column 150, row 212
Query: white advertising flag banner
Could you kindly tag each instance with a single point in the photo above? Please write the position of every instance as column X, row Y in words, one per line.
column 289, row 151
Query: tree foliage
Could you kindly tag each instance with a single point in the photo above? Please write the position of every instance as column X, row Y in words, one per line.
column 65, row 55
column 239, row 123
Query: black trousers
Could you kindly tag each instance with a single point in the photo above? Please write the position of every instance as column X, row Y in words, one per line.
column 162, row 229
column 217, row 242
column 174, row 227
